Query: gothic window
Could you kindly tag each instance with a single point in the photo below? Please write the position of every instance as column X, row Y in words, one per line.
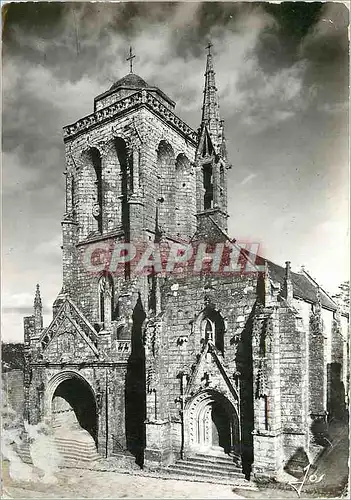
column 105, row 297
column 213, row 329
column 208, row 186
column 151, row 293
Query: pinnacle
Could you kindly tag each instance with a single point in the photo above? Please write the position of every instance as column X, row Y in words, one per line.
column 37, row 299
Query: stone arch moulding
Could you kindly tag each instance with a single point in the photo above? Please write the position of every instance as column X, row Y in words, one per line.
column 182, row 161
column 165, row 148
column 124, row 133
column 197, row 421
column 86, row 149
column 53, row 384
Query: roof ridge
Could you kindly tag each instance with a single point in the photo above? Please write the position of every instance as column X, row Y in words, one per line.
column 308, row 276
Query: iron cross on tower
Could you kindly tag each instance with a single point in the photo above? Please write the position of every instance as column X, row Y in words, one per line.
column 208, row 47
column 130, row 59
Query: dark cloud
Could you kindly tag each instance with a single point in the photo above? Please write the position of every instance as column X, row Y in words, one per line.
column 282, row 75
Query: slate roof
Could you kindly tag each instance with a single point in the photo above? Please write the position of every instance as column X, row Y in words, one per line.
column 131, row 80
column 304, row 286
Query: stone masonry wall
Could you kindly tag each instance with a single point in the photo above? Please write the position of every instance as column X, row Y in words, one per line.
column 148, row 174
column 317, row 365
column 293, row 381
column 179, row 336
column 108, row 388
column 13, row 390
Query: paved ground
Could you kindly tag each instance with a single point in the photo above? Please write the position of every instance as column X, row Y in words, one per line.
column 80, row 483
column 27, row 481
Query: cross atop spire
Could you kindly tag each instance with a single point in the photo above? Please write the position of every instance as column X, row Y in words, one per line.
column 208, row 47
column 130, row 59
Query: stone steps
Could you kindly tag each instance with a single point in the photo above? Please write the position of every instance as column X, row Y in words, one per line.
column 23, row 452
column 200, row 465
column 73, row 449
column 208, row 468
column 214, row 459
column 70, row 449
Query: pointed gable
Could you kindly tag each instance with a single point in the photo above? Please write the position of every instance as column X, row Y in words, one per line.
column 70, row 331
column 304, row 287
column 205, row 146
column 209, row 373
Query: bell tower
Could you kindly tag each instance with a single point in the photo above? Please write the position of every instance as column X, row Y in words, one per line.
column 129, row 178
column 211, row 156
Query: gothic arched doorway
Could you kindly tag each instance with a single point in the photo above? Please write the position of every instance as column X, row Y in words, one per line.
column 212, row 424
column 72, row 404
column 221, row 437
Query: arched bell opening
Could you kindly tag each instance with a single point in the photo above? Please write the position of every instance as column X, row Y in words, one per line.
column 126, row 171
column 88, row 192
column 166, row 173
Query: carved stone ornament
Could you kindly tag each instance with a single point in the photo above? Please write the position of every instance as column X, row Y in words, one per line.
column 96, row 210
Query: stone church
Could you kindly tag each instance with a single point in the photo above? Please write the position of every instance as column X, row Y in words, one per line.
column 202, row 368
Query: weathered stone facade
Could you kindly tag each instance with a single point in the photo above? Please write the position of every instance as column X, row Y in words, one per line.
column 162, row 367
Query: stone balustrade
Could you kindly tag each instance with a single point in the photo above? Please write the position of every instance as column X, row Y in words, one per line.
column 132, row 101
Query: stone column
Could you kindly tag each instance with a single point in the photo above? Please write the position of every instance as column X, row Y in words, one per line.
column 136, row 167
column 69, row 191
column 111, row 187
column 267, row 437
column 69, row 252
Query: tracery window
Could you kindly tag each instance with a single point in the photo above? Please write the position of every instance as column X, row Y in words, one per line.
column 213, row 329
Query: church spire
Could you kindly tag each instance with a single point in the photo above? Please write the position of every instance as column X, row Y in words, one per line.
column 210, row 109
column 211, row 158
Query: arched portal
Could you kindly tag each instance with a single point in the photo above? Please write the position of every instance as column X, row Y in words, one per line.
column 71, row 403
column 213, row 424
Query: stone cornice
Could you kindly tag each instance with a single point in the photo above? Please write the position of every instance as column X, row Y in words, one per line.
column 132, row 102
column 78, row 365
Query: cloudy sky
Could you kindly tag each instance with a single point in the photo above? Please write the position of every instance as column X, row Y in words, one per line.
column 282, row 75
